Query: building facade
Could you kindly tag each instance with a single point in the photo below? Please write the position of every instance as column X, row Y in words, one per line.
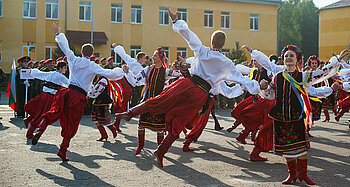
column 334, row 28
column 138, row 25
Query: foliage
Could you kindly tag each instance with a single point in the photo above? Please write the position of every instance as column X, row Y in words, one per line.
column 59, row 53
column 237, row 53
column 298, row 25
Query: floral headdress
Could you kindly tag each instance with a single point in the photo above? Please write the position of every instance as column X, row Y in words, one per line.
column 292, row 48
column 163, row 57
column 311, row 58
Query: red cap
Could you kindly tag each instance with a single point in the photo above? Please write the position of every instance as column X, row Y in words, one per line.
column 48, row 61
column 42, row 61
column 110, row 58
column 102, row 59
column 59, row 59
column 64, row 58
column 20, row 59
column 36, row 62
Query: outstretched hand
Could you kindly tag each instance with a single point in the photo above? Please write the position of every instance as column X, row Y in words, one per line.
column 343, row 54
column 172, row 15
column 55, row 28
column 264, row 84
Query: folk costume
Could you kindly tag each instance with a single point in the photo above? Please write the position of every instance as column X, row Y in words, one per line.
column 39, row 105
column 154, row 79
column 344, row 101
column 69, row 102
column 290, row 137
column 100, row 115
column 183, row 99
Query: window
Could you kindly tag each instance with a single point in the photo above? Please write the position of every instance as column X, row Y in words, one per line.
column 29, row 49
column 254, row 22
column 84, row 11
column 209, row 18
column 117, row 13
column 29, row 9
column 136, row 14
column 181, row 51
column 51, row 9
column 226, row 52
column 163, row 16
column 182, row 14
column 49, row 50
column 166, row 51
column 225, row 20
column 134, row 50
column 117, row 58
column 0, row 51
column 0, row 8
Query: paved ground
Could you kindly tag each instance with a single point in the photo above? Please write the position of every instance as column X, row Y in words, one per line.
column 218, row 160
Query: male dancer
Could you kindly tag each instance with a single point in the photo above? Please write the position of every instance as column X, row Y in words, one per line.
column 69, row 102
column 183, row 99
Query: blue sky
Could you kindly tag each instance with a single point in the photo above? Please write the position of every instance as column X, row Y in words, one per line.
column 322, row 3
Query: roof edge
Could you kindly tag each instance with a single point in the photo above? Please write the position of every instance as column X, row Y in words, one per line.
column 267, row 2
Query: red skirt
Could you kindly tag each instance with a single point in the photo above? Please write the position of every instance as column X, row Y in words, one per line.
column 264, row 140
column 345, row 104
column 199, row 123
column 67, row 107
column 180, row 102
column 38, row 106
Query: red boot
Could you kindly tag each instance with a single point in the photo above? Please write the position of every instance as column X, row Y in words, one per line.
column 234, row 126
column 163, row 148
column 326, row 113
column 28, row 120
column 103, row 133
column 242, row 136
column 254, row 155
column 132, row 112
column 41, row 129
column 116, row 124
column 114, row 130
column 186, row 147
column 302, row 172
column 141, row 135
column 63, row 149
column 30, row 132
column 335, row 112
column 339, row 115
column 160, row 137
column 292, row 169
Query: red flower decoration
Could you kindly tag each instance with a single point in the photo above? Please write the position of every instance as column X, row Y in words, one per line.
column 291, row 129
column 288, row 134
column 284, row 137
column 283, row 130
column 280, row 140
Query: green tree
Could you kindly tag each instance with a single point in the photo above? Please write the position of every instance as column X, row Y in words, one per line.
column 298, row 25
column 59, row 53
column 237, row 53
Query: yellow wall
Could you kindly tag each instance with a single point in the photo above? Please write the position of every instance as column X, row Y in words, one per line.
column 334, row 31
column 149, row 34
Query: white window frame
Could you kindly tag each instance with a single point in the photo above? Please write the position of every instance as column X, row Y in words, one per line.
column 117, row 7
column 181, row 13
column 207, row 15
column 252, row 19
column 115, row 55
column 28, row 50
column 180, row 50
column 30, row 4
column 1, row 51
column 134, row 50
column 2, row 8
column 85, row 10
column 163, row 14
column 51, row 51
column 52, row 9
column 136, row 10
column 223, row 15
column 166, row 51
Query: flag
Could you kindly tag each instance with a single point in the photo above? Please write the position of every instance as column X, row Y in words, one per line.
column 11, row 86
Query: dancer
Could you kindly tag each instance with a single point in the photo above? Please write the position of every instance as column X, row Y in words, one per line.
column 42, row 103
column 344, row 103
column 183, row 99
column 69, row 102
column 100, row 107
column 291, row 139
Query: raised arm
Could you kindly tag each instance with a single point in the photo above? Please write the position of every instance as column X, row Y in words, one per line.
column 229, row 92
column 245, row 70
column 133, row 64
column 191, row 38
column 63, row 43
column 40, row 74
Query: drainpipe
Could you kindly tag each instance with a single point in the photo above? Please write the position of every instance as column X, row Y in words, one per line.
column 92, row 23
column 65, row 17
column 278, row 33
